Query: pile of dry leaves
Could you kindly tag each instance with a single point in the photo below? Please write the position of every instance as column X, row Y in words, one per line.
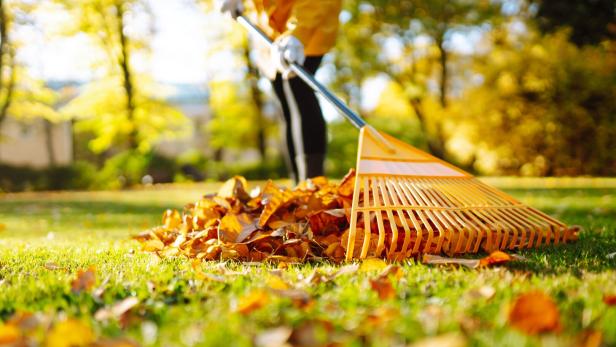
column 269, row 223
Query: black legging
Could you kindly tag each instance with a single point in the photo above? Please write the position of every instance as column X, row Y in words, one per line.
column 304, row 127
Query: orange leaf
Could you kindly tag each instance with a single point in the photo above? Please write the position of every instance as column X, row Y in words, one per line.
column 84, row 281
column 235, row 187
column 382, row 285
column 347, row 186
column 534, row 312
column 172, row 219
column 9, row 335
column 152, row 245
column 252, row 301
column 609, row 300
column 277, row 199
column 231, row 226
column 496, row 257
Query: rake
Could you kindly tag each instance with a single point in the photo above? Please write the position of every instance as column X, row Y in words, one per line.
column 407, row 202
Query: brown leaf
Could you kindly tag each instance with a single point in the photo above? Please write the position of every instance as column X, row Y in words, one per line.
column 311, row 333
column 495, row 258
column 252, row 302
column 275, row 337
column 535, row 312
column 117, row 310
column 84, row 281
column 609, row 300
column 590, row 338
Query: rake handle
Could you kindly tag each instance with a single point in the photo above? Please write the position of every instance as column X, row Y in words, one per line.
column 351, row 116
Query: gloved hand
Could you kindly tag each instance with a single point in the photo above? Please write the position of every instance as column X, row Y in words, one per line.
column 285, row 50
column 233, row 8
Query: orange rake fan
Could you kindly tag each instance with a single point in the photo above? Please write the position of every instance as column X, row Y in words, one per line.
column 407, row 202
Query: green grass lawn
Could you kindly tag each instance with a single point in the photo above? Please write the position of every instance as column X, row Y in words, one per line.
column 178, row 308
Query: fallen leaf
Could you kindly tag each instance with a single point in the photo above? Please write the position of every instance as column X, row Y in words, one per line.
column 483, row 292
column 445, row 340
column 252, row 302
column 277, row 283
column 235, row 187
column 394, row 270
column 84, row 281
column 121, row 342
column 372, row 264
column 438, row 260
column 534, row 312
column 25, row 321
column 275, row 337
column 496, row 257
column 2, row 227
column 152, row 246
column 382, row 285
column 590, row 338
column 52, row 266
column 117, row 310
column 609, row 300
column 347, row 185
column 345, row 270
column 100, row 290
column 382, row 316
column 9, row 335
column 70, row 333
column 300, row 298
column 311, row 333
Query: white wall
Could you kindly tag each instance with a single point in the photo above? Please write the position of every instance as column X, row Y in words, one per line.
column 24, row 143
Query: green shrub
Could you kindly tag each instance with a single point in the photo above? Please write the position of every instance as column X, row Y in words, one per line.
column 79, row 175
column 131, row 167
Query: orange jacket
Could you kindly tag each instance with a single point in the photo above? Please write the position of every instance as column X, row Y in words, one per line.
column 313, row 22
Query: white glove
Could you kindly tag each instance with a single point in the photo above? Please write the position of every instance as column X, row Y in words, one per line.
column 233, row 8
column 287, row 49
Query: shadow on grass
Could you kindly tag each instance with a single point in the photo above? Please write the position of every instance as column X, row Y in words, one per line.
column 37, row 208
column 588, row 254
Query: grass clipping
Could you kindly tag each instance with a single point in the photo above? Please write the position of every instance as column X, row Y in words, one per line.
column 271, row 223
column 308, row 222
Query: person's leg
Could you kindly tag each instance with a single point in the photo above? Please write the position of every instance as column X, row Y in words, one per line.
column 308, row 127
column 288, row 150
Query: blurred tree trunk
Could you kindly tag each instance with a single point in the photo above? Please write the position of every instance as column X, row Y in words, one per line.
column 257, row 98
column 443, row 60
column 127, row 76
column 7, row 61
column 51, row 155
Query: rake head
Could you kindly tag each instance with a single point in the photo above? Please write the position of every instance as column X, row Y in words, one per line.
column 407, row 202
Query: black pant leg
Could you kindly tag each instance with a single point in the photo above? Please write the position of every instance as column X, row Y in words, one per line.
column 306, row 137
